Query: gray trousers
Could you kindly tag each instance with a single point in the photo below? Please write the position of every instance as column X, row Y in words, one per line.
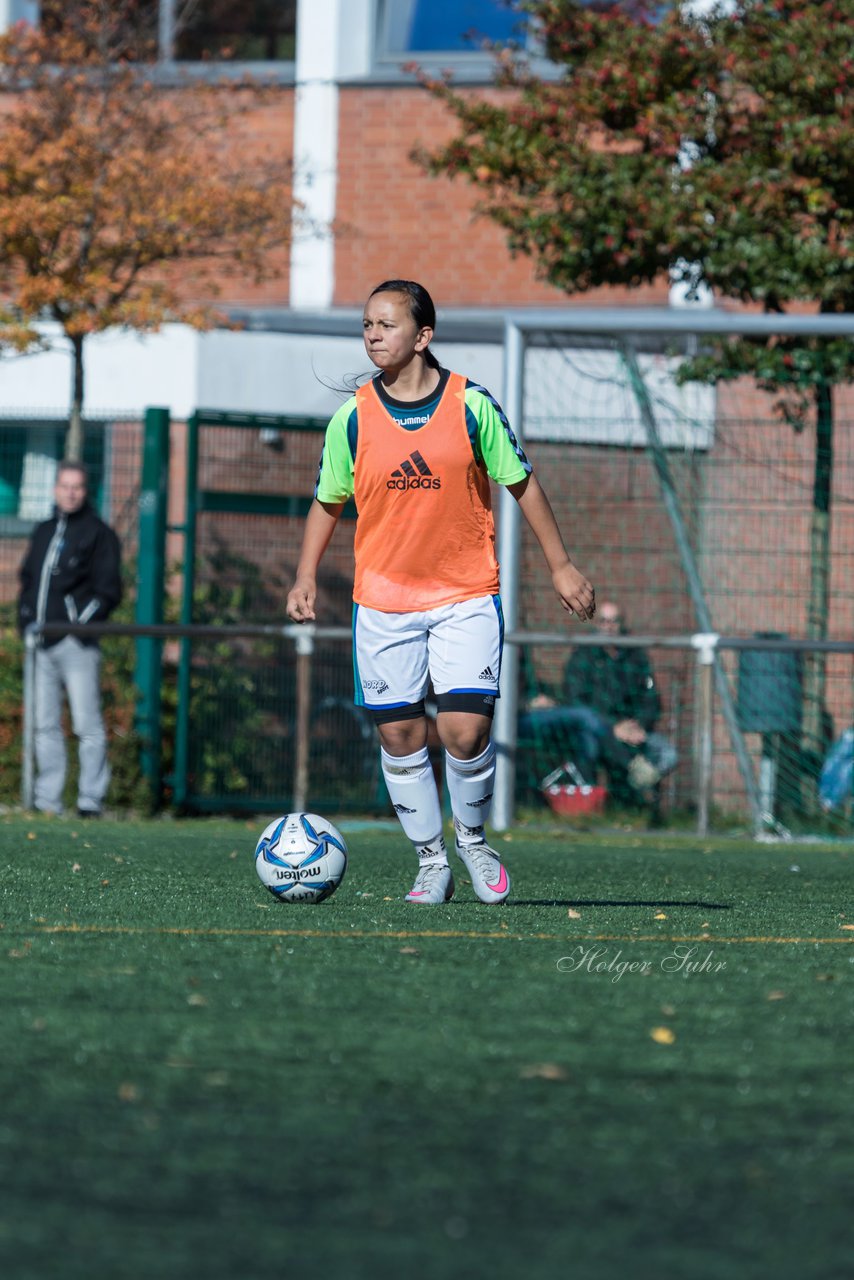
column 74, row 668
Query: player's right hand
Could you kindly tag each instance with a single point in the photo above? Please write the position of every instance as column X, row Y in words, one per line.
column 300, row 606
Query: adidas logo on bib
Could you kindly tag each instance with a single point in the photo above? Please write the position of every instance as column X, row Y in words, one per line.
column 413, row 473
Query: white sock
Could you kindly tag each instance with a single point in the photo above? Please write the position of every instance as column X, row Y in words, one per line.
column 433, row 853
column 470, row 786
column 413, row 792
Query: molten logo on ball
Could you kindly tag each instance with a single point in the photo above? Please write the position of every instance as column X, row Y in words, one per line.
column 301, row 858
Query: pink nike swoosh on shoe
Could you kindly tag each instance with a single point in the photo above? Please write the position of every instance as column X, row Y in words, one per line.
column 501, row 887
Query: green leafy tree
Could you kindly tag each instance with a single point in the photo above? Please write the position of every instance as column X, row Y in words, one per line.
column 716, row 149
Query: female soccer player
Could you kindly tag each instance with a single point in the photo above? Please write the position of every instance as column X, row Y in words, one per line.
column 416, row 446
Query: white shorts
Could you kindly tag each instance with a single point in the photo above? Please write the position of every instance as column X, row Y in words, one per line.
column 458, row 647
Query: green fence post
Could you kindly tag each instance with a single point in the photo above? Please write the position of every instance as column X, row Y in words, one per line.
column 182, row 724
column 151, row 570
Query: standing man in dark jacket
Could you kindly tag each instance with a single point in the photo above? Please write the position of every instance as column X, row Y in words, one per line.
column 71, row 573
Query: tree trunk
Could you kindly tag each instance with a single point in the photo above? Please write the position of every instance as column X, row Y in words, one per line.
column 813, row 738
column 74, row 437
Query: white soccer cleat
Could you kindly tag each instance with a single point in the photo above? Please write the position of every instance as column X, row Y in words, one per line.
column 489, row 878
column 434, row 885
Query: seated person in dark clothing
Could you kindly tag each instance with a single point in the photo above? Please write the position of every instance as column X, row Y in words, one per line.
column 610, row 707
column 612, row 692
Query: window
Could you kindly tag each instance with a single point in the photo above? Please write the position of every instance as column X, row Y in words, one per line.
column 222, row 30
column 445, row 26
column 190, row 30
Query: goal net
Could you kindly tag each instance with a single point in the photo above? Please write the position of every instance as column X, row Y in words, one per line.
column 718, row 504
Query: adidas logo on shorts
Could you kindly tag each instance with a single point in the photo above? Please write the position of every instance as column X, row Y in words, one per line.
column 413, row 473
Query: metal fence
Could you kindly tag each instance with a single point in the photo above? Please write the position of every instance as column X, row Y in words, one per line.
column 271, row 726
column 733, row 714
column 268, row 724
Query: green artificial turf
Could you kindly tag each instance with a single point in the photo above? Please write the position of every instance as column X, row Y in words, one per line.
column 639, row 1066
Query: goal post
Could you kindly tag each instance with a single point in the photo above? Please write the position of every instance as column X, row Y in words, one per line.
column 597, row 389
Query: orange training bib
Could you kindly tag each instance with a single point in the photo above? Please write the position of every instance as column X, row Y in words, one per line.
column 425, row 536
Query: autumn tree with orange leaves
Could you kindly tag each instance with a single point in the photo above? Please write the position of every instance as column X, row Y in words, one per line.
column 124, row 202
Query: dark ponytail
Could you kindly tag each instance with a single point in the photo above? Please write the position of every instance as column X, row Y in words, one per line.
column 421, row 308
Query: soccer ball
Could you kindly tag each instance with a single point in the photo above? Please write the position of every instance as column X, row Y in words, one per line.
column 301, row 858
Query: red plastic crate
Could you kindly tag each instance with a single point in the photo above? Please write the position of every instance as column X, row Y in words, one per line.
column 577, row 796
column 570, row 799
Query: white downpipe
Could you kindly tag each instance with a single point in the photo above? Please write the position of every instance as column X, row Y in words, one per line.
column 315, row 156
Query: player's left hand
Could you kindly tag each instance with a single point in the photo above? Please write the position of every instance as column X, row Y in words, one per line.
column 576, row 594
column 301, row 598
